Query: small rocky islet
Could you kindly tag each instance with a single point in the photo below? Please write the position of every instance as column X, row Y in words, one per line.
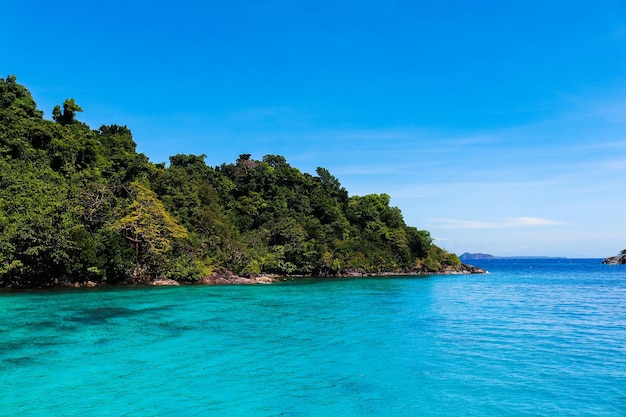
column 617, row 259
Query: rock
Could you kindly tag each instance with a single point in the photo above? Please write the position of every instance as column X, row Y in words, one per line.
column 471, row 269
column 165, row 281
column 264, row 279
column 464, row 269
column 225, row 277
column 615, row 260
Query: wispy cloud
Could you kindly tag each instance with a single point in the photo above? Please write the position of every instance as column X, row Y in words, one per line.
column 509, row 222
column 531, row 221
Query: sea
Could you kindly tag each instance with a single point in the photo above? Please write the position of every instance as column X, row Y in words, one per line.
column 533, row 337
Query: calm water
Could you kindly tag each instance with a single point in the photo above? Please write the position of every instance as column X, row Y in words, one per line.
column 531, row 338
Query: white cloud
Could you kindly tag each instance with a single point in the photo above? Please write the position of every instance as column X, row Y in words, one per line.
column 531, row 221
column 507, row 223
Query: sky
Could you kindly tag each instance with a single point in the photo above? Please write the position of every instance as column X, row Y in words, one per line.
column 498, row 126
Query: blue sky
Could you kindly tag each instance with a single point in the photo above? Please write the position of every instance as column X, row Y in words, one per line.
column 500, row 127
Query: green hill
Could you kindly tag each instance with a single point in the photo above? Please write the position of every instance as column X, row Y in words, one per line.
column 79, row 204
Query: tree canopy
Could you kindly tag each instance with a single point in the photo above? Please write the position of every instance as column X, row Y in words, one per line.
column 81, row 204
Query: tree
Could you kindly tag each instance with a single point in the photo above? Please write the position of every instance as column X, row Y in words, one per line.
column 331, row 184
column 186, row 161
column 149, row 229
column 35, row 219
column 17, row 99
column 70, row 108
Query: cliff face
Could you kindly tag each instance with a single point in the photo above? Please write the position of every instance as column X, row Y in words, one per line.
column 616, row 260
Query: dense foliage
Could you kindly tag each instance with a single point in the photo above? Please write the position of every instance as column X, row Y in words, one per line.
column 78, row 204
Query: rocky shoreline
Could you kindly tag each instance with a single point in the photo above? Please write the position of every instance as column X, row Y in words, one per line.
column 616, row 260
column 225, row 277
column 463, row 269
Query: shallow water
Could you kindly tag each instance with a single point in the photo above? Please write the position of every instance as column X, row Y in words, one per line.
column 533, row 337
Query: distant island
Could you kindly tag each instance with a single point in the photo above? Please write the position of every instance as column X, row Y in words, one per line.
column 474, row 256
column 80, row 206
column 482, row 256
column 616, row 260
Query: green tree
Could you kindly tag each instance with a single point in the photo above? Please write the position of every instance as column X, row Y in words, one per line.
column 149, row 229
column 67, row 117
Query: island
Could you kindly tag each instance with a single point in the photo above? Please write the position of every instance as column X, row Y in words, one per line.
column 484, row 256
column 616, row 260
column 80, row 206
column 474, row 256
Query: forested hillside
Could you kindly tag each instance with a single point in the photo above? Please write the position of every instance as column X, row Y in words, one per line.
column 80, row 205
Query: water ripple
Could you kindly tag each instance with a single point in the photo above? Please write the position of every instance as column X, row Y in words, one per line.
column 547, row 340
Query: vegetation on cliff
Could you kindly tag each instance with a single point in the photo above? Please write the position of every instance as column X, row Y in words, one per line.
column 78, row 204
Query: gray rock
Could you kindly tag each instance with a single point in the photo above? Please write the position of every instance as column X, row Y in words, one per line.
column 616, row 260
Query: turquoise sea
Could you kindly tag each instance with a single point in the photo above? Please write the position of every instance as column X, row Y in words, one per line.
column 531, row 338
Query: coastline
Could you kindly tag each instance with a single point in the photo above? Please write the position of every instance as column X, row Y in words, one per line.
column 225, row 277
